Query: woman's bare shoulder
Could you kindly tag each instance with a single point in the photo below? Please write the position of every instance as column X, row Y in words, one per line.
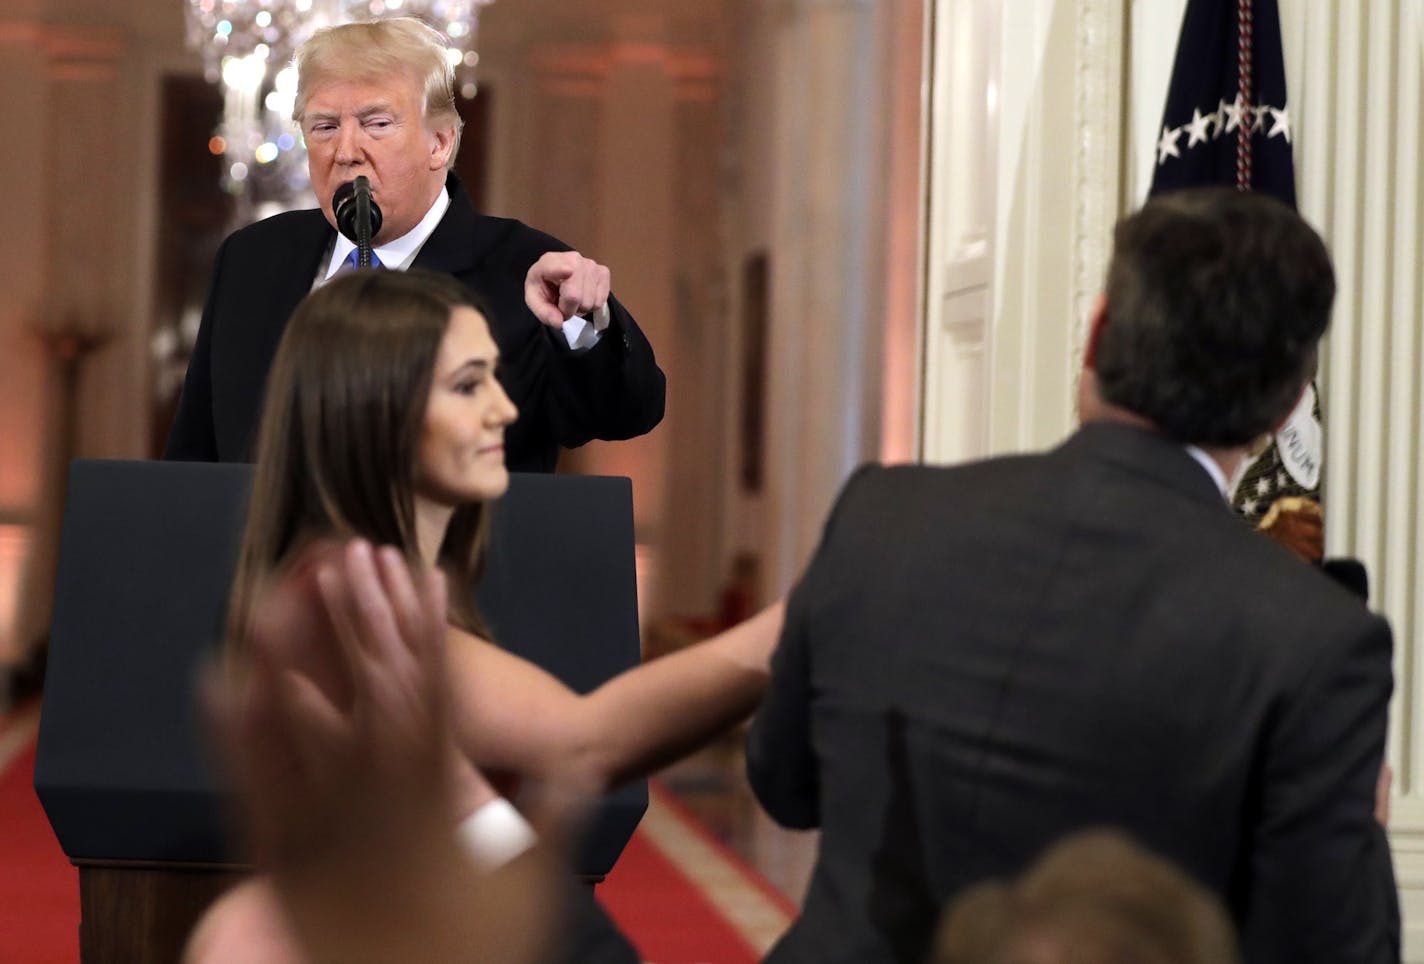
column 456, row 637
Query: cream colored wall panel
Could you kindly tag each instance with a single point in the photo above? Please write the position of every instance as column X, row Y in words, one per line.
column 1406, row 485
column 1154, row 27
column 959, row 390
column 962, row 196
column 1025, row 135
column 1408, row 851
column 1401, row 592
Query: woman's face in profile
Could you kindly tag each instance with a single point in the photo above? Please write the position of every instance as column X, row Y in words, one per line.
column 460, row 458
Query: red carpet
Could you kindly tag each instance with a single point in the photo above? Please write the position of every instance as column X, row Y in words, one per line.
column 39, row 888
column 683, row 898
column 666, row 914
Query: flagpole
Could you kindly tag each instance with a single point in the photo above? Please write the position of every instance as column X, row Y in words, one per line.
column 1244, row 129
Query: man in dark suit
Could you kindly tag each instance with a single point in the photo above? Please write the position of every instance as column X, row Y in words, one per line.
column 377, row 99
column 984, row 658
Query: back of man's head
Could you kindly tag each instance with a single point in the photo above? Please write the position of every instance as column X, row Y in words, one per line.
column 1216, row 300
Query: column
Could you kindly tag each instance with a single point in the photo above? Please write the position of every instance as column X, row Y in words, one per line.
column 822, row 408
column 638, row 192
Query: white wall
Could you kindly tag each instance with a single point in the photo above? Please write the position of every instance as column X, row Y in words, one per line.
column 824, row 127
column 1023, row 191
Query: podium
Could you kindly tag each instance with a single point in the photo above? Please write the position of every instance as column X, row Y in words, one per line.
column 147, row 553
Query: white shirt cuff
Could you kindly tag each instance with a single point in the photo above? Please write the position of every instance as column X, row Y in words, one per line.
column 583, row 332
column 495, row 834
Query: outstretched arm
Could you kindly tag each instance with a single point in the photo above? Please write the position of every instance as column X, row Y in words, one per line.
column 509, row 714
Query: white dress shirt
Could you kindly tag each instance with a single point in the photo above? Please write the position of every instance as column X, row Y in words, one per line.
column 399, row 254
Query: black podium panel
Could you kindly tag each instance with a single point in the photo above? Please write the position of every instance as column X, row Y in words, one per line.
column 561, row 590
column 146, row 558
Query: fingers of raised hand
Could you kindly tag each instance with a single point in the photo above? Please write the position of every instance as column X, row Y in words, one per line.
column 279, row 736
column 435, row 599
column 390, row 624
column 572, row 293
column 419, row 601
column 314, row 729
column 400, row 589
column 340, row 606
column 542, row 284
column 562, row 284
column 602, row 285
column 585, row 290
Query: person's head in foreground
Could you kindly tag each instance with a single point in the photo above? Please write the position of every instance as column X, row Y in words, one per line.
column 1093, row 898
column 384, row 419
column 1215, row 302
column 377, row 98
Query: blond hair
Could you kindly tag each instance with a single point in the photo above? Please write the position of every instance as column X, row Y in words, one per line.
column 372, row 50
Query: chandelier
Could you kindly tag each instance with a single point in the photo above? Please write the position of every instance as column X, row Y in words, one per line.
column 247, row 46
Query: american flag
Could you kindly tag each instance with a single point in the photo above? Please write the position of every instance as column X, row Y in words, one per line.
column 1227, row 122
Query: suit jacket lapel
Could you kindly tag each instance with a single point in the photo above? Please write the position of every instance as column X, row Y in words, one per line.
column 460, row 239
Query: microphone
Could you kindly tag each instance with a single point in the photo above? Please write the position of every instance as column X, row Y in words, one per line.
column 358, row 216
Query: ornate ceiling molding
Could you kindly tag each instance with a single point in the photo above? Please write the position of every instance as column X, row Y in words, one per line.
column 583, row 69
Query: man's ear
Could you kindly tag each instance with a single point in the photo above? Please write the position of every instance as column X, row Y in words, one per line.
column 1090, row 402
column 1097, row 321
column 442, row 147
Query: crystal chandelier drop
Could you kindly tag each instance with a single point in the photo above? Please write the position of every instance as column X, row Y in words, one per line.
column 247, row 45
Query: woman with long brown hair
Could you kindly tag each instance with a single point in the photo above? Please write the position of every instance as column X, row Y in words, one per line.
column 384, row 421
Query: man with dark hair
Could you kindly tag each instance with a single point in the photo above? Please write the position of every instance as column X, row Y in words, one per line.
column 1214, row 338
column 984, row 658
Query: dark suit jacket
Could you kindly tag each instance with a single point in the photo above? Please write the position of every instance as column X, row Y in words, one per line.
column 614, row 390
column 982, row 659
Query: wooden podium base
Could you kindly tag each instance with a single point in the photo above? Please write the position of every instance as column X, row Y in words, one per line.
column 143, row 911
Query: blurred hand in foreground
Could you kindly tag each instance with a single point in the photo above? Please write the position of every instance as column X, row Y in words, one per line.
column 348, row 790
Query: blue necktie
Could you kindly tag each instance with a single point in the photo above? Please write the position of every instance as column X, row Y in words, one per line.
column 350, row 263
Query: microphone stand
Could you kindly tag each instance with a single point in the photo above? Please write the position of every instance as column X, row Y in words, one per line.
column 358, row 217
column 363, row 221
